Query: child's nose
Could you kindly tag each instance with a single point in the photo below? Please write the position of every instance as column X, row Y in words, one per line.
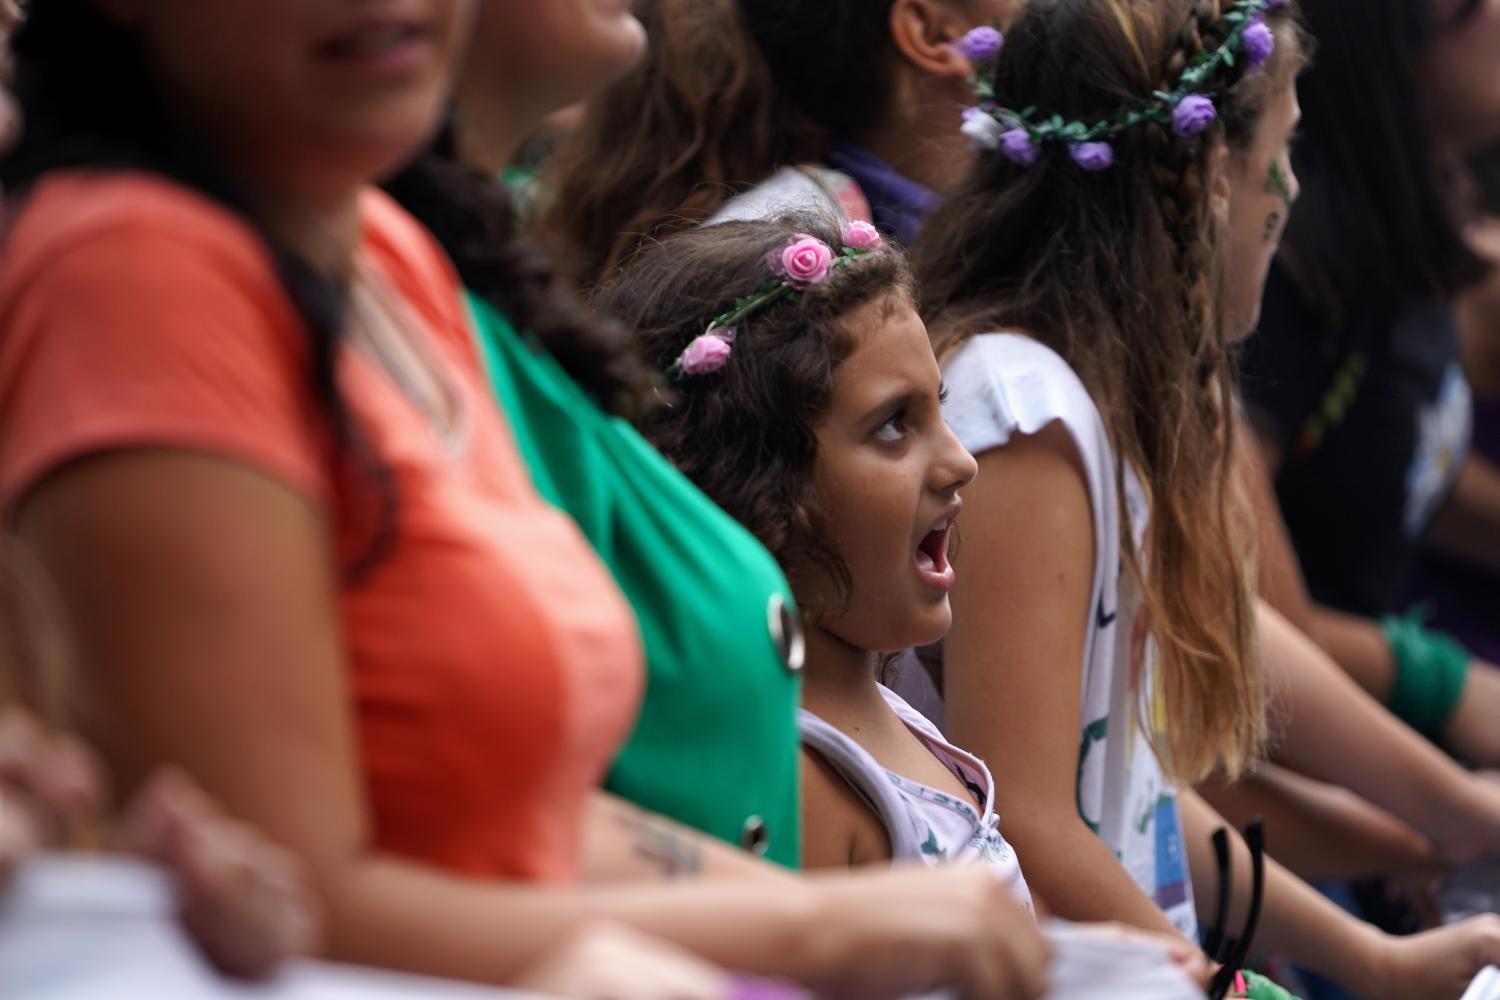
column 957, row 467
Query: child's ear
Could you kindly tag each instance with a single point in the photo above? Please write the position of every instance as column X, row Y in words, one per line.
column 924, row 31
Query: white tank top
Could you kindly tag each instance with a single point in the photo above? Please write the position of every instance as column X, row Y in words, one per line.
column 923, row 823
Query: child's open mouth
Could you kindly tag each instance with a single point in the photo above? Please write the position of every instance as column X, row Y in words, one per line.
column 932, row 558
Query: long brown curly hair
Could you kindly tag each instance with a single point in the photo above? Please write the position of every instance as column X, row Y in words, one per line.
column 746, row 435
column 698, row 121
column 1119, row 273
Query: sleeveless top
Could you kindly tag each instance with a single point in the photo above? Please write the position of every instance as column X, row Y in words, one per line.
column 1003, row 385
column 923, row 823
column 715, row 745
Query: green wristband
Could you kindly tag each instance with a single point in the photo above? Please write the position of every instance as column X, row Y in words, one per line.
column 1258, row 987
column 1431, row 668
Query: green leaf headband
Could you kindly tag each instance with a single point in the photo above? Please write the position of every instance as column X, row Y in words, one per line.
column 802, row 262
column 1019, row 135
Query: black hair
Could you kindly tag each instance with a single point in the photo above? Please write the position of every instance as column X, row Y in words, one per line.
column 471, row 215
column 832, row 59
column 1375, row 226
column 1486, row 173
column 87, row 101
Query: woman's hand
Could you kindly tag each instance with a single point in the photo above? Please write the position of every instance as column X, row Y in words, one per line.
column 1435, row 965
column 48, row 783
column 244, row 900
column 913, row 930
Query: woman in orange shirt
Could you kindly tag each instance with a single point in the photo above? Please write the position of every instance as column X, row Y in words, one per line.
column 244, row 431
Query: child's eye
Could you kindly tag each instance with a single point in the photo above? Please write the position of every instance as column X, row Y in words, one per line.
column 894, row 428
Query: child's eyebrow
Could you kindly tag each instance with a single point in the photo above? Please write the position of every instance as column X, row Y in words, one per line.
column 893, row 401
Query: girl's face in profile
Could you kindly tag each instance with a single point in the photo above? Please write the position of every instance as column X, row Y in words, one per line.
column 886, row 483
column 1262, row 190
column 1460, row 74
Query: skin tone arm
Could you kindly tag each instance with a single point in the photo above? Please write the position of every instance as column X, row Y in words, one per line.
column 1011, row 671
column 1020, row 614
column 1334, row 732
column 1358, row 645
column 1322, row 832
column 1302, row 925
column 624, row 843
column 176, row 606
column 1468, row 527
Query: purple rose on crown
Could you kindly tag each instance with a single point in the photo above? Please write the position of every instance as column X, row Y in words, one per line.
column 1260, row 42
column 1193, row 115
column 1018, row 148
column 980, row 44
column 1093, row 156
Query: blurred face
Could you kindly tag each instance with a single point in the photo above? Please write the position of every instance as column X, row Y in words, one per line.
column 311, row 95
column 1262, row 190
column 887, row 480
column 1461, row 74
column 542, row 55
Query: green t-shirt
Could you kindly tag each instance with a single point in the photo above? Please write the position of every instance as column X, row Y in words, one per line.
column 716, row 743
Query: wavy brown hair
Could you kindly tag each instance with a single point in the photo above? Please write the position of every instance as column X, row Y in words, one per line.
column 746, row 435
column 1119, row 273
column 698, row 121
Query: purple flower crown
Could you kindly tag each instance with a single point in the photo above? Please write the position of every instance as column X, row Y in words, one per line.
column 1189, row 108
column 802, row 262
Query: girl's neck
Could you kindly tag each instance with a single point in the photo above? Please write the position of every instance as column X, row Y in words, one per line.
column 323, row 232
column 840, row 678
column 491, row 122
column 923, row 144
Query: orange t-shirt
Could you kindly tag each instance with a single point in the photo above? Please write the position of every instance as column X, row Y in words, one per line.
column 493, row 665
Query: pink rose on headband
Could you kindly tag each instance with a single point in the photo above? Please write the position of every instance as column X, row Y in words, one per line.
column 861, row 236
column 706, row 354
column 804, row 261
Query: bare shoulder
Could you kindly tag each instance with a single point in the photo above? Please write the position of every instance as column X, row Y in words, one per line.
column 838, row 829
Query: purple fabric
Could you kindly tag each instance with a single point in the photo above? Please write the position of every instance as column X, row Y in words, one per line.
column 898, row 203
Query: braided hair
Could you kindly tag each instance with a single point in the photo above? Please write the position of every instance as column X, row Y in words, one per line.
column 1119, row 272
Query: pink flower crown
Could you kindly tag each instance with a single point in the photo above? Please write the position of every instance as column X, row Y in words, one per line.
column 803, row 262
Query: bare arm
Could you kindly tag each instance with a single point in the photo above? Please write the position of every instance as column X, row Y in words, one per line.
column 1356, row 644
column 1337, row 733
column 1305, row 927
column 625, row 843
column 209, row 629
column 1468, row 526
column 1012, row 669
column 1320, row 831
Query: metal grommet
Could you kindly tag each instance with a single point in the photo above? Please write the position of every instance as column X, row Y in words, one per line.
column 786, row 634
column 754, row 837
